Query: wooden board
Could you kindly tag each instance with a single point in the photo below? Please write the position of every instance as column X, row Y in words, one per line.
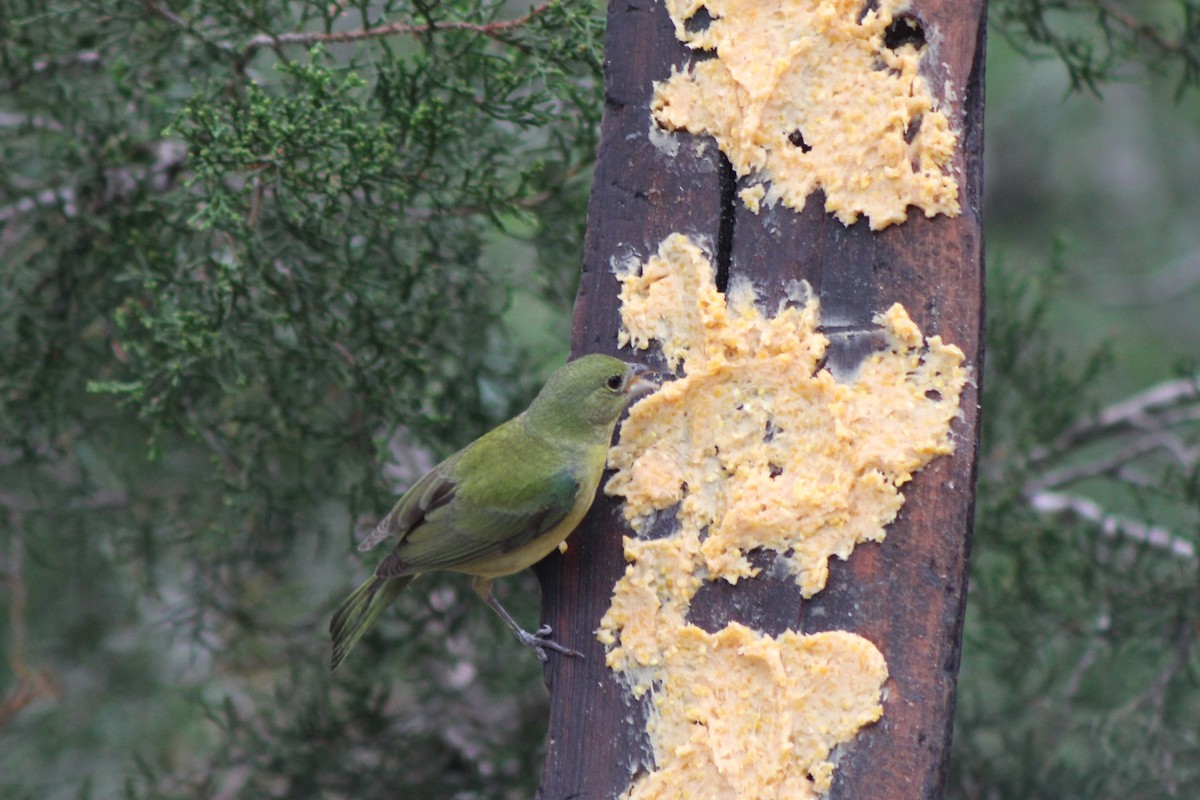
column 906, row 595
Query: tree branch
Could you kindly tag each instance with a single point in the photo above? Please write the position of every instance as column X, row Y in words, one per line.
column 1112, row 525
column 170, row 156
column 184, row 24
column 10, row 120
column 1134, row 413
column 1111, row 465
column 1139, row 29
column 304, row 38
column 490, row 29
column 31, row 685
column 64, row 196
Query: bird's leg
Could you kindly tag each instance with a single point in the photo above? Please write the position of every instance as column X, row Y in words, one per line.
column 539, row 641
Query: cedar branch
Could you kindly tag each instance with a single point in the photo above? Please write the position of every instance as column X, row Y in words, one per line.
column 491, row 29
column 274, row 40
column 1113, row 526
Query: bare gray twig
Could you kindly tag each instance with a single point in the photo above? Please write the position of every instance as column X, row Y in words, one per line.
column 1135, row 413
column 10, row 120
column 1112, row 525
column 1113, row 464
column 121, row 181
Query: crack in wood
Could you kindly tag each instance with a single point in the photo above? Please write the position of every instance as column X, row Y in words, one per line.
column 724, row 254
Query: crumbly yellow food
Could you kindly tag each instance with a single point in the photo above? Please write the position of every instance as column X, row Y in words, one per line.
column 804, row 94
column 756, row 446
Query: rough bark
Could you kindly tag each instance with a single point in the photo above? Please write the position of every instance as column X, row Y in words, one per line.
column 907, row 594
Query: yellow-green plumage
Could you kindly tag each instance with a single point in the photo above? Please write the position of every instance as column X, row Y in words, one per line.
column 504, row 501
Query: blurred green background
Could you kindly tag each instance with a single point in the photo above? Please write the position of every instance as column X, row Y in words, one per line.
column 249, row 290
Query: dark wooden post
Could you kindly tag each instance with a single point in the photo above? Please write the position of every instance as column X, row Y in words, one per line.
column 907, row 594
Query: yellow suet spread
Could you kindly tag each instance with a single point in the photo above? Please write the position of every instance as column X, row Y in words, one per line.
column 806, row 95
column 756, row 447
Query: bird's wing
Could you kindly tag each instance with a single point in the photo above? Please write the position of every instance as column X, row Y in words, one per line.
column 461, row 531
column 434, row 490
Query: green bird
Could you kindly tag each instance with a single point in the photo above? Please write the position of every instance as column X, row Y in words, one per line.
column 503, row 502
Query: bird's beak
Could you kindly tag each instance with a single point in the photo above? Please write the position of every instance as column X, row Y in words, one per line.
column 642, row 381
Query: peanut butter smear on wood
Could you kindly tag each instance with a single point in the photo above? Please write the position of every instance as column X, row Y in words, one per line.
column 805, row 95
column 757, row 447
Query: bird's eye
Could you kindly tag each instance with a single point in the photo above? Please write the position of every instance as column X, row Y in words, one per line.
column 613, row 382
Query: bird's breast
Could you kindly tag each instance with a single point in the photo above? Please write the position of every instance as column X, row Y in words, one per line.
column 542, row 545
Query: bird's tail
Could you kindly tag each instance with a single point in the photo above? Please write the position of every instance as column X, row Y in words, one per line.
column 358, row 612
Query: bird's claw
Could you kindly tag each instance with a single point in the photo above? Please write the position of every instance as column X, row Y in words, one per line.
column 540, row 641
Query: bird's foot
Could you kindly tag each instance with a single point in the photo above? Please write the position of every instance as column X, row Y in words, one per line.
column 540, row 642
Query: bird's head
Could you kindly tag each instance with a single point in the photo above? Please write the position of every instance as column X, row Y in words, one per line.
column 592, row 391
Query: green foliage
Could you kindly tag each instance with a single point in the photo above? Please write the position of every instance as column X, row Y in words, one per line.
column 240, row 275
column 250, row 255
column 1035, row 391
column 1099, row 41
column 1080, row 675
